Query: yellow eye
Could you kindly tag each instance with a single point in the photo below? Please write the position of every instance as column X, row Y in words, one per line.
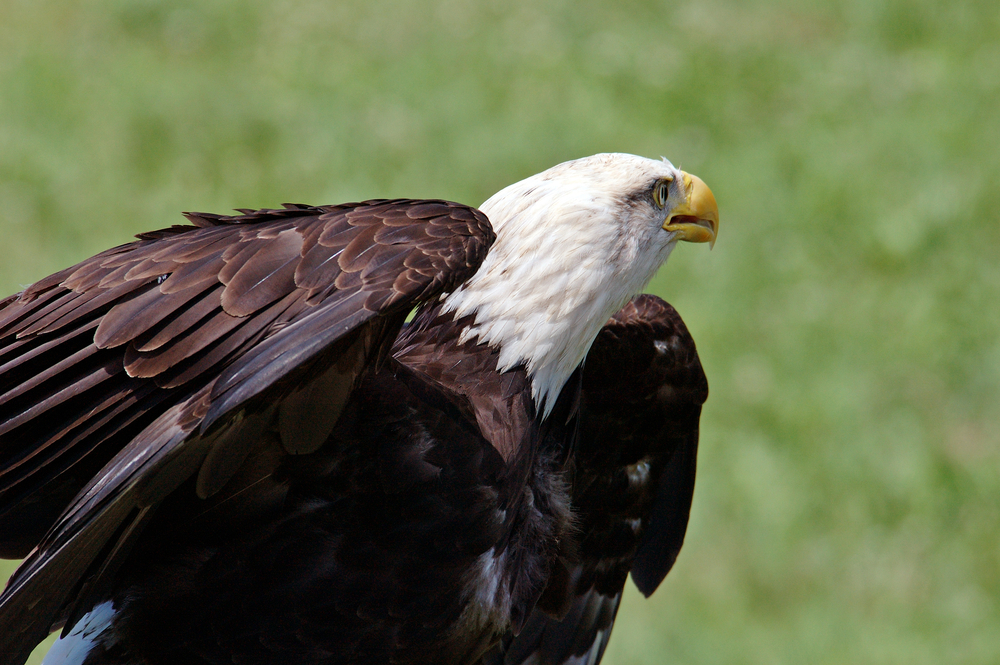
column 661, row 192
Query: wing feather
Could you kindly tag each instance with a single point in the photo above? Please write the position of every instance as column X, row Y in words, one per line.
column 354, row 256
column 12, row 316
column 192, row 272
column 73, row 307
column 264, row 275
column 197, row 308
column 129, row 319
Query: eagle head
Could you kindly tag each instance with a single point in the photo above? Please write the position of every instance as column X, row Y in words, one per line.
column 574, row 244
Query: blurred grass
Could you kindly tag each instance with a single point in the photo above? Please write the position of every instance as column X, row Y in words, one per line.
column 848, row 318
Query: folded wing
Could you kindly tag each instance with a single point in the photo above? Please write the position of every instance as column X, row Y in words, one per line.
column 632, row 483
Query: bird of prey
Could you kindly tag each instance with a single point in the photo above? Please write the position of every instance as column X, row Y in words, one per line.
column 223, row 442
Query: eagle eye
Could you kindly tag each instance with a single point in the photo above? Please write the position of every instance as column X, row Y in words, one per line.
column 661, row 192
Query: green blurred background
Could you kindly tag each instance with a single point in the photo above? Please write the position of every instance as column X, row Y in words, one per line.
column 848, row 500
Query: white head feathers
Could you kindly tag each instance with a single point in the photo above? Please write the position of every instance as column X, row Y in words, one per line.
column 574, row 244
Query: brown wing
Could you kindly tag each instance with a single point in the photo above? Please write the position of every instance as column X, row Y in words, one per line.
column 158, row 360
column 632, row 483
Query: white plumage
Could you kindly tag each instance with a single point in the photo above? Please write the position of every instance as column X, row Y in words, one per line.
column 543, row 307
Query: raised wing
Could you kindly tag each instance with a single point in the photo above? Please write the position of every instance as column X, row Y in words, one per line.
column 158, row 360
column 632, row 482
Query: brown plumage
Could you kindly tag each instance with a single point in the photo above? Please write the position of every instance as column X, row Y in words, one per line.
column 632, row 482
column 225, row 433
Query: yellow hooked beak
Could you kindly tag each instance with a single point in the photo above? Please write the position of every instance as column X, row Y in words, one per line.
column 697, row 218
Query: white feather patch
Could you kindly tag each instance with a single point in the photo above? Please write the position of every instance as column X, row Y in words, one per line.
column 77, row 644
column 574, row 244
column 490, row 600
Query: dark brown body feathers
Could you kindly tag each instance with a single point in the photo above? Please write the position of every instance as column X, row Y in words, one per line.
column 222, row 430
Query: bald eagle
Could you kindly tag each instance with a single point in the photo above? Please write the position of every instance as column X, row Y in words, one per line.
column 222, row 443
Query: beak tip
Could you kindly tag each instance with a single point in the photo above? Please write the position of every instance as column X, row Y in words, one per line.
column 702, row 205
